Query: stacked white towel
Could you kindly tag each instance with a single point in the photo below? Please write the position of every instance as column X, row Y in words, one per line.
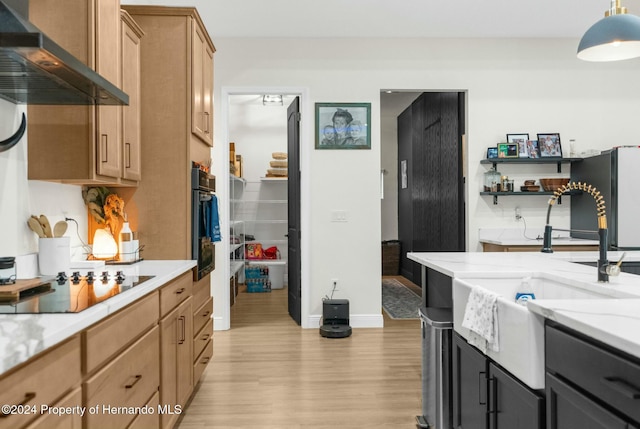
column 481, row 318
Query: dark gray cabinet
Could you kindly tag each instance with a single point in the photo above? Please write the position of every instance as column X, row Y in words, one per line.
column 589, row 384
column 570, row 409
column 486, row 396
column 469, row 386
column 511, row 404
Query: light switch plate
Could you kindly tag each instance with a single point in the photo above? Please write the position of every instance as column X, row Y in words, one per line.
column 339, row 216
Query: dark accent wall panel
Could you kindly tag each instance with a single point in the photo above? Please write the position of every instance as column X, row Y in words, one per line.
column 431, row 211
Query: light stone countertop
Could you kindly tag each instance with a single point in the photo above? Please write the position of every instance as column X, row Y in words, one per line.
column 24, row 335
column 517, row 237
column 615, row 322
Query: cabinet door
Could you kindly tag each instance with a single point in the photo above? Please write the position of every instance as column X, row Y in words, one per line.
column 511, row 404
column 207, row 94
column 469, row 386
column 108, row 65
column 197, row 82
column 176, row 342
column 569, row 409
column 131, row 166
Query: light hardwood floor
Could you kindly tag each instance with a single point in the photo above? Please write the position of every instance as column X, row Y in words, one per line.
column 269, row 373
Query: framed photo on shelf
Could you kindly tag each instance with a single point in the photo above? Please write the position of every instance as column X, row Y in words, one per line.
column 549, row 145
column 343, row 125
column 492, row 152
column 532, row 149
column 507, row 150
column 521, row 141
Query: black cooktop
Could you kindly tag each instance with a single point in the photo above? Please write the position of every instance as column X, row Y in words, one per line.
column 62, row 294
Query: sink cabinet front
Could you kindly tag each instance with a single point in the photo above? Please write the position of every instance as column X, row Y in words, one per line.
column 486, row 396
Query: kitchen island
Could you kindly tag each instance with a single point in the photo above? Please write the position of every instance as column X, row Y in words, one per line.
column 609, row 323
column 129, row 360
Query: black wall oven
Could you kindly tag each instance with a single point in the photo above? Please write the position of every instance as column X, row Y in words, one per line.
column 203, row 249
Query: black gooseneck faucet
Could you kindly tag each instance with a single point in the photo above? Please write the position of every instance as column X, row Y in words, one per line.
column 605, row 269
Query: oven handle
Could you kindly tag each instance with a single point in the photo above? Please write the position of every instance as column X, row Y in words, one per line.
column 205, row 197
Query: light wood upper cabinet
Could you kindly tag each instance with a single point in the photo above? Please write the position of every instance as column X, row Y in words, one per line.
column 84, row 144
column 202, row 85
column 131, row 161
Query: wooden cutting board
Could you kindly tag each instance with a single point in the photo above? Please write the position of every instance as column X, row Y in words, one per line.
column 14, row 292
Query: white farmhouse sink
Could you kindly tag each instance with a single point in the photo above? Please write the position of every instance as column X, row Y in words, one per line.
column 521, row 332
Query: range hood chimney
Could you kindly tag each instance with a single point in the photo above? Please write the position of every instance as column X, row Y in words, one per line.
column 36, row 70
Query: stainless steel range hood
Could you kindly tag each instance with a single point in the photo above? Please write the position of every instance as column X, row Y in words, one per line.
column 36, row 70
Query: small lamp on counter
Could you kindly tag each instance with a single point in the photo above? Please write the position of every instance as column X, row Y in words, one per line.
column 104, row 245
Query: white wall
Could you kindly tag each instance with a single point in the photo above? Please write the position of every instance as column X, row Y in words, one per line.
column 513, row 86
column 20, row 197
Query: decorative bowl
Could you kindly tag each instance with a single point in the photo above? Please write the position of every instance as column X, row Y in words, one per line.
column 551, row 185
column 530, row 188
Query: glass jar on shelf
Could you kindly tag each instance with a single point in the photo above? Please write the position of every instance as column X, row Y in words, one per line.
column 492, row 180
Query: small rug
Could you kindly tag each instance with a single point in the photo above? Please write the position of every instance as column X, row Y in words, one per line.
column 398, row 301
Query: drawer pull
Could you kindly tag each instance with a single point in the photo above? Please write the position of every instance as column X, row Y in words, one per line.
column 138, row 378
column 206, row 313
column 205, row 360
column 622, row 387
column 206, row 337
column 179, row 291
column 27, row 397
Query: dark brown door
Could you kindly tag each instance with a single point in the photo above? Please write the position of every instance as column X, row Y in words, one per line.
column 293, row 195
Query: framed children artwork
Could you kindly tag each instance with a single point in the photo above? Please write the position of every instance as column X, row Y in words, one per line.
column 521, row 141
column 549, row 145
column 507, row 150
column 343, row 125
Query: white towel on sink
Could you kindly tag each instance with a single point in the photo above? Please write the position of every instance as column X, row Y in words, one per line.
column 481, row 318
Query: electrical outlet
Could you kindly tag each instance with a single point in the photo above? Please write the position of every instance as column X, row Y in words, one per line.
column 518, row 213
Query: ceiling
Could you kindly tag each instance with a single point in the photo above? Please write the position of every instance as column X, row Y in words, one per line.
column 397, row 18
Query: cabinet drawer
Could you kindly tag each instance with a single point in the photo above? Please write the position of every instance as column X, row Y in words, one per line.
column 568, row 408
column 59, row 367
column 173, row 293
column 150, row 420
column 68, row 421
column 613, row 379
column 201, row 291
column 201, row 339
column 202, row 315
column 106, row 338
column 128, row 381
column 202, row 361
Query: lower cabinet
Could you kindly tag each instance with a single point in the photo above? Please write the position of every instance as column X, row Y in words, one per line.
column 176, row 379
column 135, row 369
column 486, row 396
column 127, row 381
column 570, row 409
column 469, row 386
column 68, row 421
column 588, row 384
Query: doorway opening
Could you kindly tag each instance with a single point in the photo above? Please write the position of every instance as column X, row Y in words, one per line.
column 257, row 257
column 423, row 175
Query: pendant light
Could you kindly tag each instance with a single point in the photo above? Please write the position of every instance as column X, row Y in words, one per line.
column 615, row 37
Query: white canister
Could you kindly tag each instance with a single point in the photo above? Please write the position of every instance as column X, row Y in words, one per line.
column 54, row 255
